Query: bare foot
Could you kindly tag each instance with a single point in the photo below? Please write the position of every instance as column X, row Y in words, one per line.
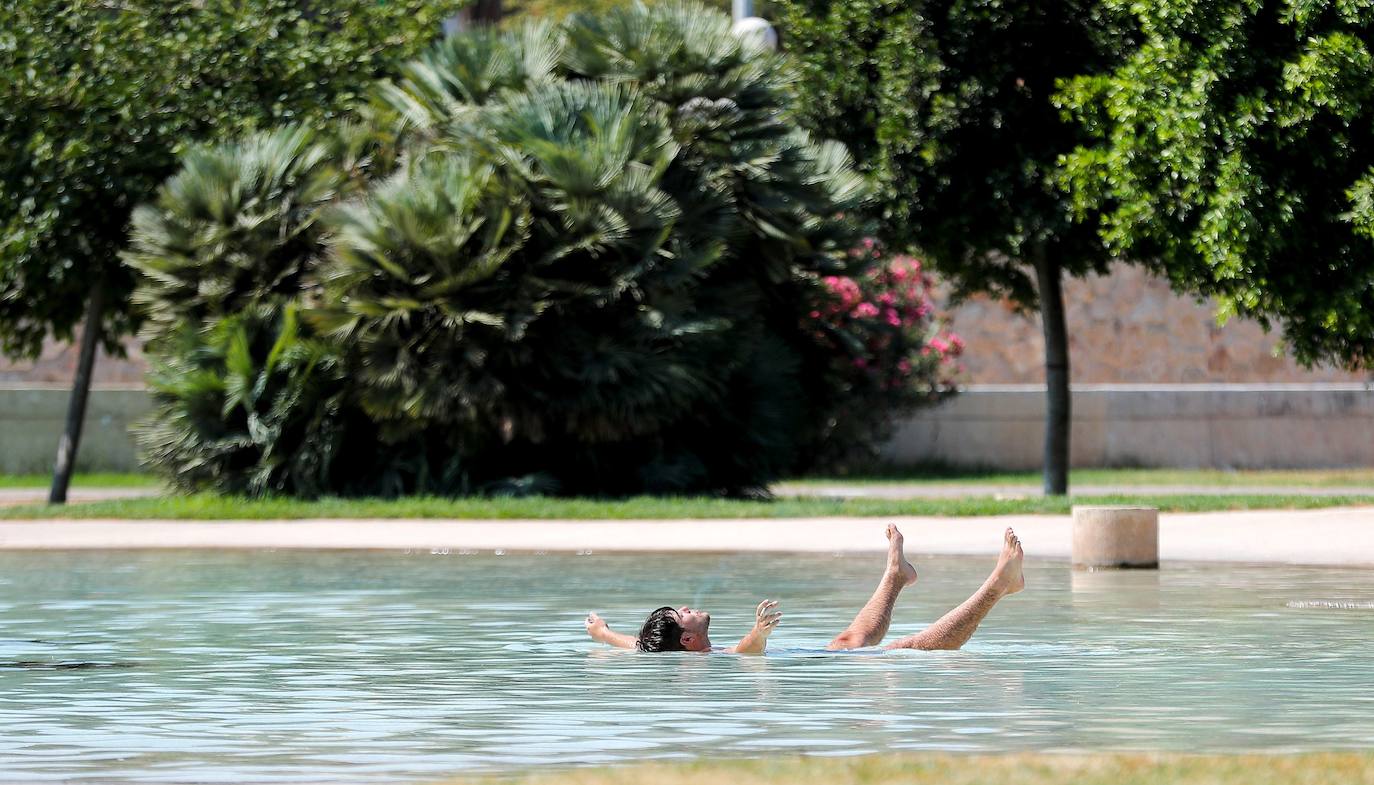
column 1007, row 577
column 896, row 559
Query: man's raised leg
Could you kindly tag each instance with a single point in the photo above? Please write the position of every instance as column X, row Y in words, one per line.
column 956, row 627
column 869, row 627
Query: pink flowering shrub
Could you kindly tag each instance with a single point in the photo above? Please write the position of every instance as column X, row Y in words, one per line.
column 890, row 354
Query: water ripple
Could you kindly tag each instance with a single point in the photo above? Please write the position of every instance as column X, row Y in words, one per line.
column 386, row 667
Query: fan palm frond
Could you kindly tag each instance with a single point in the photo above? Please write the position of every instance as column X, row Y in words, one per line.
column 239, row 224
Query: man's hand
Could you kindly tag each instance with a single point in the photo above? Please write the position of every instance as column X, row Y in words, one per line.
column 602, row 633
column 766, row 618
column 595, row 624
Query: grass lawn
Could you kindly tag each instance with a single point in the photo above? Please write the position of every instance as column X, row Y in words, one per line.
column 82, row 480
column 212, row 507
column 940, row 475
column 1105, row 769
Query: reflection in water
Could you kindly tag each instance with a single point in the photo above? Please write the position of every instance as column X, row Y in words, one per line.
column 1333, row 605
column 279, row 667
column 63, row 665
column 1135, row 586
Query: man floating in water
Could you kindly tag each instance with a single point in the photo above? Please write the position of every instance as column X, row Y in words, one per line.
column 686, row 629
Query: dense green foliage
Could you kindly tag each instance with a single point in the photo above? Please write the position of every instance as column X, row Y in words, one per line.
column 580, row 258
column 884, row 312
column 1235, row 150
column 97, row 100
column 948, row 104
column 231, row 239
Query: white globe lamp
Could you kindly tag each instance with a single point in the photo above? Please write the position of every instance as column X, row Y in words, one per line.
column 758, row 29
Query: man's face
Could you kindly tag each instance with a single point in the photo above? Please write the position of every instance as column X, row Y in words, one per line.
column 694, row 626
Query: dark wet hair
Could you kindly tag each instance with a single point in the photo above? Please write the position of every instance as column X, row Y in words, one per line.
column 661, row 632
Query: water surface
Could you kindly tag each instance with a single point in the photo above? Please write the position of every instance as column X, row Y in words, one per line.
column 302, row 667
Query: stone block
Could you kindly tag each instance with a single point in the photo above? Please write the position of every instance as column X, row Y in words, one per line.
column 1114, row 537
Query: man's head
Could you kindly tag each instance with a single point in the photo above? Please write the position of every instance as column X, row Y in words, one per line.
column 675, row 629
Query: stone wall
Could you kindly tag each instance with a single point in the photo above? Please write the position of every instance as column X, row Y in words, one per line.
column 1221, row 426
column 1227, row 399
column 1215, row 426
column 57, row 365
column 1127, row 327
column 32, row 416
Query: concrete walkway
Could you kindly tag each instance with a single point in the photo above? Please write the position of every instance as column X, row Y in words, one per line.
column 953, row 490
column 1340, row 536
column 13, row 497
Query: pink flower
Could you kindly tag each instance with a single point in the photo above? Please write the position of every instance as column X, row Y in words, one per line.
column 865, row 311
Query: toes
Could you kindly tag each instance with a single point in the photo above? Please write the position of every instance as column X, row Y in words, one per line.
column 1014, row 544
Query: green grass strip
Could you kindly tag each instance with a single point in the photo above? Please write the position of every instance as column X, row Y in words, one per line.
column 82, row 480
column 212, row 507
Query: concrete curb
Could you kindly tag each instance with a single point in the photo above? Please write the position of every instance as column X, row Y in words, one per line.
column 1338, row 536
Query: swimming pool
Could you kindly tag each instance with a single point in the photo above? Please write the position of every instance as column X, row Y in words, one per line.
column 288, row 667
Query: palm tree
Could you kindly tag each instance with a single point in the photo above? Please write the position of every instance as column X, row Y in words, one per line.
column 571, row 257
column 244, row 399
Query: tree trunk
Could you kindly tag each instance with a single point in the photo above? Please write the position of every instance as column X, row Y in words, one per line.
column 485, row 12
column 1057, row 414
column 476, row 14
column 81, row 387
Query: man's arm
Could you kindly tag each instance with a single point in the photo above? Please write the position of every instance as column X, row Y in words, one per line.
column 596, row 627
column 765, row 620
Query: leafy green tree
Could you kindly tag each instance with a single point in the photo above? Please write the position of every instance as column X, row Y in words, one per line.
column 97, row 100
column 948, row 103
column 1234, row 150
